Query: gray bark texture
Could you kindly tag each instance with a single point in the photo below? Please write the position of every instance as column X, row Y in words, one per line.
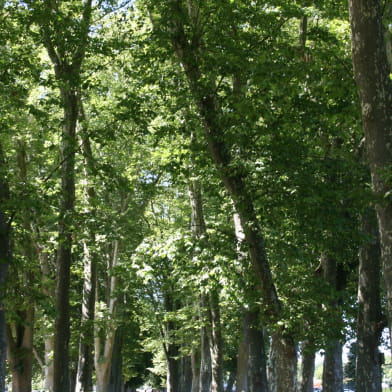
column 370, row 319
column 282, row 369
column 371, row 72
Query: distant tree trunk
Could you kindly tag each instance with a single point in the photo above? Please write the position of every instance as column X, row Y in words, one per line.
column 20, row 350
column 308, row 367
column 371, row 72
column 170, row 346
column 5, row 256
column 370, row 320
column 333, row 365
column 282, row 369
column 333, row 368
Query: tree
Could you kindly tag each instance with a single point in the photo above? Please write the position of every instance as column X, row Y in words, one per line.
column 371, row 72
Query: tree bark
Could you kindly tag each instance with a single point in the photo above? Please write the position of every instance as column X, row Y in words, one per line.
column 371, row 72
column 333, row 368
column 333, row 365
column 370, row 320
column 282, row 369
column 67, row 62
column 215, row 339
column 20, row 350
column 308, row 367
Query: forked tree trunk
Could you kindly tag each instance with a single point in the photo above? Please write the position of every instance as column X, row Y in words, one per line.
column 370, row 320
column 20, row 351
column 371, row 72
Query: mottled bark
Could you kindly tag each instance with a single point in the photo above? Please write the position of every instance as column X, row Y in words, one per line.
column 371, row 72
column 333, row 368
column 370, row 320
column 282, row 369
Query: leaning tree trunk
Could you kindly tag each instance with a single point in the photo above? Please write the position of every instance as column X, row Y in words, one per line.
column 5, row 256
column 371, row 72
column 370, row 320
column 234, row 178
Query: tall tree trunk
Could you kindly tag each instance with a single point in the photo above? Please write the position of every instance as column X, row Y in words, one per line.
column 5, row 256
column 333, row 368
column 371, row 72
column 64, row 250
column 86, row 343
column 198, row 229
column 370, row 320
column 308, row 367
column 67, row 58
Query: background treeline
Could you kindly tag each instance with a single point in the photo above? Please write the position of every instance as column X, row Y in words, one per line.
column 188, row 198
